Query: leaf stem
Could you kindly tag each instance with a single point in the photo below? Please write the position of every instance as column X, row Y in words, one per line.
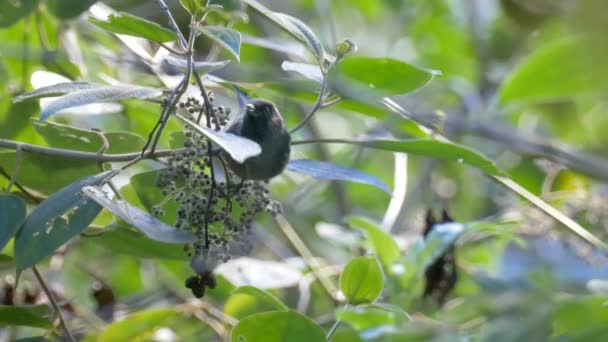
column 56, row 307
column 334, row 327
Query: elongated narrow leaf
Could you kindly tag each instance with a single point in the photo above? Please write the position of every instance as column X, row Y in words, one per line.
column 203, row 67
column 362, row 280
column 151, row 227
column 310, row 71
column 382, row 242
column 56, row 220
column 293, row 26
column 437, row 149
column 98, row 95
column 124, row 23
column 262, row 295
column 366, row 78
column 56, row 90
column 25, row 315
column 12, row 215
column 228, row 38
column 238, row 147
column 331, row 171
column 277, row 326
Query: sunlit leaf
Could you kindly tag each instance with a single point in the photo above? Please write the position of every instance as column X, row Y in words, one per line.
column 330, row 171
column 12, row 215
column 310, row 71
column 140, row 326
column 293, row 26
column 365, row 317
column 203, row 67
column 362, row 280
column 98, row 95
column 382, row 242
column 277, row 326
column 238, row 147
column 25, row 315
column 228, row 38
column 192, row 6
column 146, row 223
column 56, row 90
column 56, row 220
column 261, row 295
column 124, row 23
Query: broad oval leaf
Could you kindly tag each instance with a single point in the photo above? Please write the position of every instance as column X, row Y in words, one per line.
column 370, row 77
column 12, row 215
column 56, row 90
column 25, row 315
column 203, row 67
column 365, row 317
column 12, row 11
column 293, row 26
column 277, row 326
column 239, row 148
column 310, row 71
column 330, row 171
column 124, row 23
column 261, row 295
column 56, row 220
column 382, row 242
column 362, row 280
column 228, row 38
column 98, row 95
column 146, row 223
column 560, row 70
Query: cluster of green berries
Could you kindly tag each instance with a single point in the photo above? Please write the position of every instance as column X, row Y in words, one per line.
column 213, row 202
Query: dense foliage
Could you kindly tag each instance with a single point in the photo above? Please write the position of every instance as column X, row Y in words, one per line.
column 347, row 170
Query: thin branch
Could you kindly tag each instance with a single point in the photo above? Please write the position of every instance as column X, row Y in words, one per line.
column 300, row 246
column 334, row 327
column 92, row 156
column 51, row 298
column 314, row 108
column 172, row 23
column 16, row 168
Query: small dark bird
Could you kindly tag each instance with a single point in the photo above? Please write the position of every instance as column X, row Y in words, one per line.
column 441, row 276
column 261, row 122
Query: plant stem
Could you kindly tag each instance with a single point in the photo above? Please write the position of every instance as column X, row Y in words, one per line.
column 51, row 298
column 334, row 327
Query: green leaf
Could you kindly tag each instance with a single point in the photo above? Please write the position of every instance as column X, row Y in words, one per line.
column 261, row 295
column 123, row 240
column 66, row 9
column 56, row 220
column 365, row 317
column 238, row 147
column 310, row 71
column 12, row 215
column 581, row 317
column 436, row 149
column 140, row 326
column 360, row 77
column 203, row 67
column 12, row 11
column 192, row 6
column 560, row 70
column 25, row 315
column 293, row 26
column 124, row 23
column 382, row 242
column 228, row 38
column 98, row 95
column 362, row 280
column 146, row 223
column 69, row 137
column 277, row 326
column 330, row 171
column 56, row 90
column 45, row 173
